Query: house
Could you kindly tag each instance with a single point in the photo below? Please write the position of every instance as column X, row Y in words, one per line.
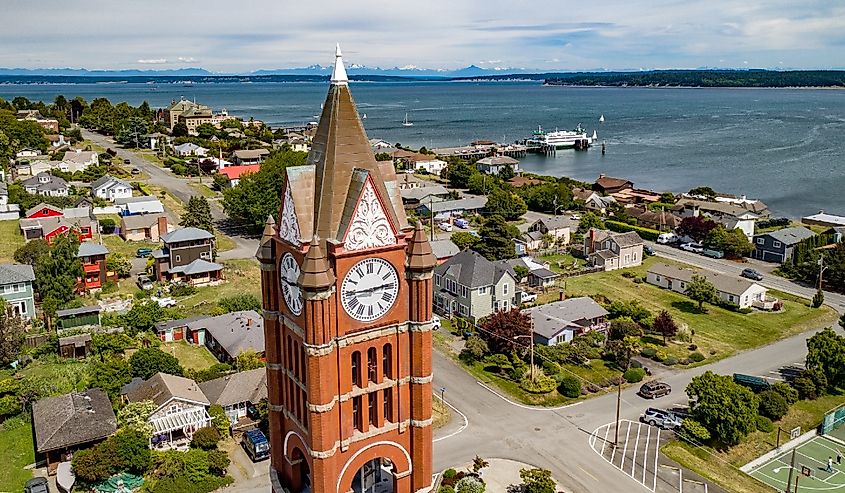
column 244, row 157
column 75, row 347
column 837, row 233
column 32, row 168
column 131, row 206
column 190, row 149
column 751, row 205
column 110, row 188
column 78, row 160
column 522, row 181
column 592, row 200
column 636, row 196
column 93, row 258
column 824, row 219
column 48, row 228
column 50, row 125
column 611, row 251
column 156, row 140
column 445, row 208
column 228, row 335
column 606, row 185
column 177, row 108
column 74, row 318
column 143, row 227
column 180, row 408
column 443, row 250
column 16, row 289
column 70, row 422
column 234, row 173
column 737, row 290
column 27, row 153
column 493, row 165
column 186, row 256
column 470, row 286
column 533, row 240
column 661, row 221
column 542, row 278
column 378, row 144
column 427, row 163
column 175, row 330
column 559, row 227
column 776, row 246
column 8, row 212
column 43, row 210
column 46, row 184
column 562, row 321
column 57, row 140
column 731, row 216
column 539, row 273
column 236, row 392
column 413, row 197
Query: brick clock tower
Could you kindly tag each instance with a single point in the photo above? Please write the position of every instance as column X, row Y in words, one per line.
column 347, row 299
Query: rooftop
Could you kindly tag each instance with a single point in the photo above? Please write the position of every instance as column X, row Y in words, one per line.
column 186, row 234
column 245, row 386
column 72, row 419
column 790, row 236
column 162, row 387
column 235, row 331
column 15, row 273
column 87, row 249
column 471, row 269
column 722, row 282
column 548, row 320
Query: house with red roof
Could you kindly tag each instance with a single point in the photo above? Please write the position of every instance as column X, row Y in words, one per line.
column 234, row 173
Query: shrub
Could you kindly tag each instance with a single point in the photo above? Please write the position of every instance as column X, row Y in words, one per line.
column 764, row 424
column 806, row 388
column 569, row 386
column 474, row 350
column 469, row 484
column 660, row 356
column 219, row 419
column 696, row 357
column 818, row 299
column 182, row 484
column 206, row 438
column 634, row 375
column 648, row 352
column 772, row 405
column 684, row 361
column 628, row 274
column 787, row 391
column 670, row 361
column 240, row 302
column 550, row 367
column 692, row 347
column 182, row 289
column 592, row 388
column 540, row 384
column 746, row 310
column 218, row 462
column 537, row 480
column 695, row 431
column 449, row 473
column 446, row 489
column 645, row 233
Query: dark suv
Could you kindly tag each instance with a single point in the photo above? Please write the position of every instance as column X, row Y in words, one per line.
column 662, row 418
column 36, row 485
column 751, row 274
column 653, row 390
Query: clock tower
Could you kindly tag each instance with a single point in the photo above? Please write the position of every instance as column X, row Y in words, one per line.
column 347, row 300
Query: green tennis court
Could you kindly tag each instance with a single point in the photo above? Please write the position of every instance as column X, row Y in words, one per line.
column 810, row 457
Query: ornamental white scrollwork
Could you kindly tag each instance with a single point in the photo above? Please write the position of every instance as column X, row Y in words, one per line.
column 370, row 227
column 288, row 225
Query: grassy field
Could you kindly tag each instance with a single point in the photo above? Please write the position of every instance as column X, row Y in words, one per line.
column 563, row 263
column 719, row 333
column 202, row 188
column 190, row 356
column 16, row 452
column 439, row 413
column 242, row 277
column 10, row 239
column 723, row 467
column 115, row 244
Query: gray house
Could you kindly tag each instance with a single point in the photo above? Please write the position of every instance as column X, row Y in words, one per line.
column 776, row 246
column 563, row 320
column 16, row 288
column 186, row 256
column 472, row 287
column 236, row 392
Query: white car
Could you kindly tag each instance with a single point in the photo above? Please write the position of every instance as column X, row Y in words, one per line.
column 435, row 322
column 528, row 297
column 666, row 238
column 693, row 247
column 445, row 227
column 575, row 217
column 164, row 302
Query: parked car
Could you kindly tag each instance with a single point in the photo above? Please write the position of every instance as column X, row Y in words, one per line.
column 143, row 252
column 164, row 302
column 666, row 238
column 126, row 161
column 527, row 297
column 751, row 274
column 662, row 418
column 713, row 253
column 445, row 227
column 462, row 223
column 693, row 247
column 655, row 389
column 575, row 217
column 136, row 171
column 144, row 282
column 648, row 250
column 36, row 485
column 255, row 445
column 435, row 322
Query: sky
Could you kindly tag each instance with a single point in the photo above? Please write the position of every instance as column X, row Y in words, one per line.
column 245, row 35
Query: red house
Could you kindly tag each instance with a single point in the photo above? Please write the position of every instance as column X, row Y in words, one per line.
column 78, row 219
column 93, row 258
column 234, row 173
column 44, row 210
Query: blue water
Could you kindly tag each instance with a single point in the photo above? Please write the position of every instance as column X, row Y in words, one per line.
column 786, row 147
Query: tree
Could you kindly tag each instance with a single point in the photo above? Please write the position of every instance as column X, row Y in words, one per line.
column 474, row 350
column 478, row 464
column 206, row 131
column 110, row 375
column 496, row 242
column 239, row 302
column 458, row 173
column 143, row 317
column 134, row 416
column 12, row 334
column 521, row 272
column 706, row 192
column 31, row 252
column 733, row 243
column 499, row 330
column 197, row 214
column 218, row 462
column 826, row 355
column 148, row 361
column 818, row 298
column 506, row 204
column 622, row 350
column 789, row 393
column 248, row 360
column 132, row 449
column 206, row 438
column 537, row 480
column 696, row 227
column 132, row 132
column 119, row 263
column 506, row 173
column 179, row 130
column 57, row 272
column 665, row 325
column 219, row 419
column 701, row 290
column 547, row 197
column 464, row 240
column 632, row 309
column 623, row 327
column 590, row 220
column 694, row 431
column 728, row 410
column 772, row 405
column 667, row 198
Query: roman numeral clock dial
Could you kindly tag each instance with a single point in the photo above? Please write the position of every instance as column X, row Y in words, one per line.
column 369, row 289
column 288, row 277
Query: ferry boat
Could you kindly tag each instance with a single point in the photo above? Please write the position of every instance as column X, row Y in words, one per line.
column 562, row 139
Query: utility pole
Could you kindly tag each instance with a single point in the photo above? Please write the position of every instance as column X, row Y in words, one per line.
column 618, row 406
column 431, row 216
column 791, row 471
column 822, row 268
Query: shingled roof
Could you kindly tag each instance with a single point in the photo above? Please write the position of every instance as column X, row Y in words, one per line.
column 471, row 269
column 14, row 273
column 162, row 387
column 72, row 419
column 246, row 386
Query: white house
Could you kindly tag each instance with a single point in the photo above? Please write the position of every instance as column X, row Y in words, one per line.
column 131, row 206
column 731, row 216
column 78, row 160
column 559, row 227
column 111, row 188
column 27, row 153
column 495, row 164
column 561, row 321
column 737, row 290
column 190, row 149
column 46, row 184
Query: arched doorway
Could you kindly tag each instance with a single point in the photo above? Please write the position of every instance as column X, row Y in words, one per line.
column 375, row 476
column 301, row 471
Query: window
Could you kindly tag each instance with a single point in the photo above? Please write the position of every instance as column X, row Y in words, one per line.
column 761, row 241
column 683, row 285
column 437, row 278
column 302, row 364
column 356, row 413
column 776, row 244
column 482, row 290
column 178, row 258
column 371, row 409
column 657, row 278
column 388, row 404
column 372, row 365
column 464, row 292
column 20, row 307
column 356, row 369
column 204, row 255
column 505, row 305
column 463, row 310
column 505, row 288
column 387, row 361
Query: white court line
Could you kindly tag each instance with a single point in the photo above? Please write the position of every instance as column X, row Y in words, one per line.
column 645, row 457
column 604, row 443
column 625, row 448
column 459, row 430
column 636, row 447
column 523, row 406
column 656, row 456
column 610, row 461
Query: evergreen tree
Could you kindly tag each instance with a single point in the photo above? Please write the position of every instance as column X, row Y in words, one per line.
column 496, row 242
column 197, row 214
column 506, row 204
column 57, row 272
column 12, row 334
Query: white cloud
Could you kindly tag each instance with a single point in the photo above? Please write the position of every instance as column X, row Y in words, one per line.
column 152, row 61
column 187, row 59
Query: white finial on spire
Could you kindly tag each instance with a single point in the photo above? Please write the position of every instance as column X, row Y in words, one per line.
column 339, row 73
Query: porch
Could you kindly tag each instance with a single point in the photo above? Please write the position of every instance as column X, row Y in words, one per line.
column 175, row 430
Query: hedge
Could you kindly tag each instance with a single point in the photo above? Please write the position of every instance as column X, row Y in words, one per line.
column 634, row 375
column 645, row 233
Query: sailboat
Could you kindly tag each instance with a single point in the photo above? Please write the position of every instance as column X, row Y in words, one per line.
column 364, row 116
column 601, row 119
column 406, row 123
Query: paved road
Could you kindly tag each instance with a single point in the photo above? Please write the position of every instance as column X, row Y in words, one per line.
column 181, row 189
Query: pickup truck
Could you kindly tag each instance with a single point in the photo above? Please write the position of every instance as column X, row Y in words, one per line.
column 528, row 297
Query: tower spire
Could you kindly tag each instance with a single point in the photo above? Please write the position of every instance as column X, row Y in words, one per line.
column 339, row 77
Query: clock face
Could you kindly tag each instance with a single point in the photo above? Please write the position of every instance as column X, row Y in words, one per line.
column 288, row 276
column 369, row 289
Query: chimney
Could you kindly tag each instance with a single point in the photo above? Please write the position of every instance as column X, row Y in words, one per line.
column 248, row 323
column 601, row 176
column 162, row 225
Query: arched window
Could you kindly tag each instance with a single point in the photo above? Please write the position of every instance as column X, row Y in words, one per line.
column 387, row 361
column 372, row 365
column 356, row 369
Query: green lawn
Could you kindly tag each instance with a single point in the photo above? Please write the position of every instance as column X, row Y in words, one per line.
column 719, row 333
column 116, row 244
column 563, row 263
column 722, row 467
column 10, row 240
column 202, row 188
column 242, row 277
column 16, row 452
column 190, row 356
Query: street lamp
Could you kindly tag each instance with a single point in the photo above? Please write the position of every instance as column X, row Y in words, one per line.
column 442, row 395
column 822, row 268
column 531, row 350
